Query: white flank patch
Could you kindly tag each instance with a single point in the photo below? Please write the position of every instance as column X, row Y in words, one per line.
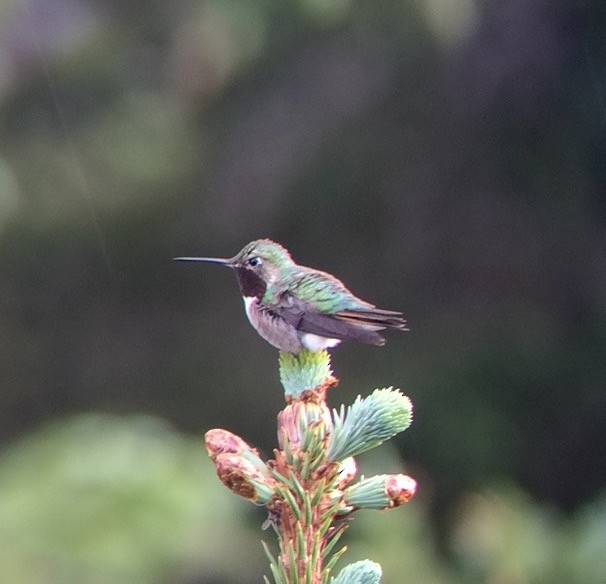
column 317, row 343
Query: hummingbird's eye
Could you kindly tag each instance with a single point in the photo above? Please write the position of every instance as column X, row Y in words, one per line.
column 254, row 261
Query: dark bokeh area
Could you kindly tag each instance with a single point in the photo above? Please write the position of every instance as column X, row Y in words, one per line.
column 446, row 158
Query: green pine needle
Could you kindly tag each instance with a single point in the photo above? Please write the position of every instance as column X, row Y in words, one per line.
column 286, row 496
column 320, row 489
column 331, row 563
column 297, row 486
column 332, row 543
column 301, row 545
column 308, row 511
column 292, row 563
column 275, row 571
column 269, row 555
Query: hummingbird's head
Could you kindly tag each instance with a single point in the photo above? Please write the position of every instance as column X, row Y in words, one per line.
column 257, row 265
column 264, row 258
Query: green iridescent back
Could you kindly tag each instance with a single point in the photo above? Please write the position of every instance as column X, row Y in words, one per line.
column 323, row 292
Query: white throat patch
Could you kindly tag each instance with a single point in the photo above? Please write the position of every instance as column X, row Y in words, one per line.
column 248, row 300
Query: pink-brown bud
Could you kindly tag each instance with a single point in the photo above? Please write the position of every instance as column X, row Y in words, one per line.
column 244, row 478
column 297, row 417
column 219, row 441
column 346, row 471
column 400, row 489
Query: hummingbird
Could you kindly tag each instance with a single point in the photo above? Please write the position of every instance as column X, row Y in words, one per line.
column 295, row 308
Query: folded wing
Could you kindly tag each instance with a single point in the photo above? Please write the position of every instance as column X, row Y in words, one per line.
column 347, row 325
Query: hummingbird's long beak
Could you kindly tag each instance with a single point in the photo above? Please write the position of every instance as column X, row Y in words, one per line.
column 226, row 262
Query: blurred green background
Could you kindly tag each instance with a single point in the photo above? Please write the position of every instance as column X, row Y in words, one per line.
column 443, row 157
